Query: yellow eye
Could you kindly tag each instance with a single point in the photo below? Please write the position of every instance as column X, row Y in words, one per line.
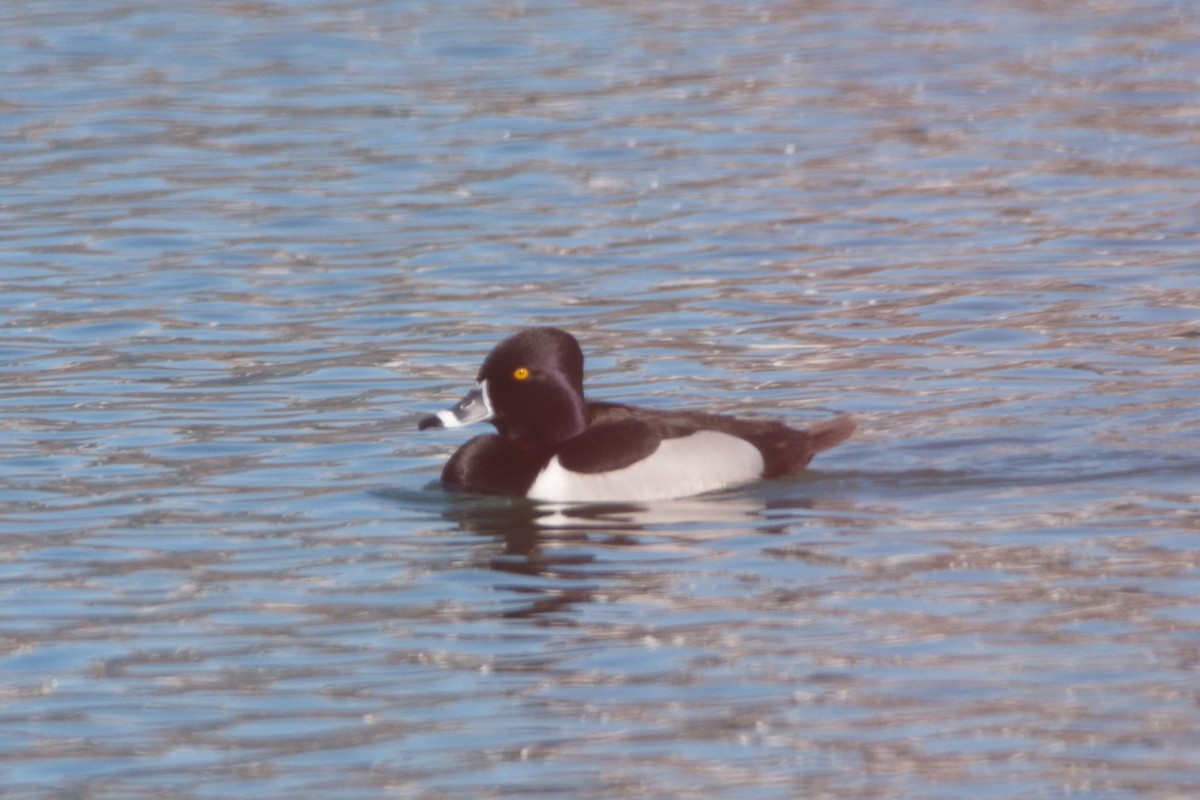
column 520, row 373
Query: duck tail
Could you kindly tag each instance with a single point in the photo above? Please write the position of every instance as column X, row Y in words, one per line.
column 830, row 433
column 788, row 450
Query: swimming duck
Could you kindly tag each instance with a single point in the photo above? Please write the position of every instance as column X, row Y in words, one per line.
column 554, row 445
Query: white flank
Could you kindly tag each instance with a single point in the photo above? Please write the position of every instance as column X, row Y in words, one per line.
column 702, row 462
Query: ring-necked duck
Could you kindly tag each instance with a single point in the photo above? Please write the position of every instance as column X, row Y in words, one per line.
column 554, row 445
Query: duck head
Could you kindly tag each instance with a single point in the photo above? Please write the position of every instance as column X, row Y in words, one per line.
column 530, row 387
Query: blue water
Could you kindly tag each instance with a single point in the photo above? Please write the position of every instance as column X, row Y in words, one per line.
column 244, row 247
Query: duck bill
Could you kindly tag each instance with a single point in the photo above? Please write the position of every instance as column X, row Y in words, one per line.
column 475, row 407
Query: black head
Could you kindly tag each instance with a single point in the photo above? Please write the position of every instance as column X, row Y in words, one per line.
column 530, row 387
column 534, row 383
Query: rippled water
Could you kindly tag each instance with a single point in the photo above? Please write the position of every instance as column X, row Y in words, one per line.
column 244, row 246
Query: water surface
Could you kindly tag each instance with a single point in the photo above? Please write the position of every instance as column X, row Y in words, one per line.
column 245, row 246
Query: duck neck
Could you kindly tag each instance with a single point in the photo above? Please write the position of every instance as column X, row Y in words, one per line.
column 560, row 415
column 569, row 420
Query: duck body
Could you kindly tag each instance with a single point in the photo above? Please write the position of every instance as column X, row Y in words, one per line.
column 551, row 444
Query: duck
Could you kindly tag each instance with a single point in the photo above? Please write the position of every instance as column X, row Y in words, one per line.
column 552, row 444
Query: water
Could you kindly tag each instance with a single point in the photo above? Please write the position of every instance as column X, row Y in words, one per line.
column 245, row 246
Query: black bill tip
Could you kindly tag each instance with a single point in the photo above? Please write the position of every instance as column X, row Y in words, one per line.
column 432, row 421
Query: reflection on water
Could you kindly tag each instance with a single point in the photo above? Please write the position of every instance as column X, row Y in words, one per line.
column 245, row 246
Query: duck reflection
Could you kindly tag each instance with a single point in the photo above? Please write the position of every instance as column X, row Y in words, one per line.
column 568, row 553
